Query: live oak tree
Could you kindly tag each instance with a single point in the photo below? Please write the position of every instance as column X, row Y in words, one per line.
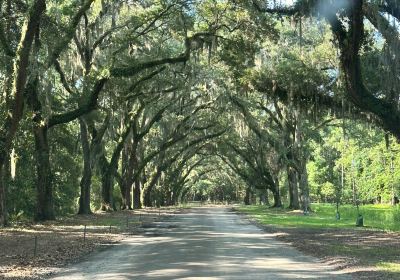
column 351, row 41
column 175, row 99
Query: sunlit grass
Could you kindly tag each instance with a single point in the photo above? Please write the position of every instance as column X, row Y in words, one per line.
column 384, row 217
column 389, row 267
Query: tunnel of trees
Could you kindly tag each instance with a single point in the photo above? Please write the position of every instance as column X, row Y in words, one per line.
column 126, row 104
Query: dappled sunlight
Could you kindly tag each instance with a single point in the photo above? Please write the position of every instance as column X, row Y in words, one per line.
column 204, row 244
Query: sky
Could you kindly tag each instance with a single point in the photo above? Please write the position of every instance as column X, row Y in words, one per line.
column 284, row 2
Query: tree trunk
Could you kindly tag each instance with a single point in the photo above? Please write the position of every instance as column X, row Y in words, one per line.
column 301, row 161
column 134, row 159
column 131, row 162
column 3, row 201
column 277, row 200
column 277, row 195
column 124, row 172
column 293, row 189
column 124, row 201
column 137, row 204
column 109, row 169
column 128, row 195
column 86, row 181
column 106, row 191
column 127, row 173
column 106, row 185
column 16, row 105
column 304, row 188
column 44, row 188
column 173, row 198
column 263, row 198
column 184, row 195
column 147, row 197
column 247, row 196
column 147, row 191
column 45, row 208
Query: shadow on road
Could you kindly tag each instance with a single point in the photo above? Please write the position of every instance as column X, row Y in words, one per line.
column 206, row 243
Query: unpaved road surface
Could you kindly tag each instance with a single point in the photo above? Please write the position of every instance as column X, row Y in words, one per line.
column 204, row 243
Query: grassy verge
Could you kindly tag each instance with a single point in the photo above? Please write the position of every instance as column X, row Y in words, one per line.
column 384, row 217
column 389, row 267
column 370, row 252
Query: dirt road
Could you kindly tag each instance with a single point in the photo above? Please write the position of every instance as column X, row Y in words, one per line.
column 205, row 243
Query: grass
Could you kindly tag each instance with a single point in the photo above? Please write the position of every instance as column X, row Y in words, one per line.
column 377, row 249
column 389, row 267
column 384, row 217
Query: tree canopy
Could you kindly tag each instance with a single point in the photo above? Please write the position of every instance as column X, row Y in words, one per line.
column 123, row 104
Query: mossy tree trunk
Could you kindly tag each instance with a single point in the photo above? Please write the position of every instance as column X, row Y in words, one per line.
column 44, row 188
column 106, row 189
column 147, row 197
column 247, row 197
column 137, row 204
column 276, row 193
column 108, row 169
column 3, row 201
column 16, row 105
column 126, row 203
column 293, row 189
column 86, row 180
column 130, row 161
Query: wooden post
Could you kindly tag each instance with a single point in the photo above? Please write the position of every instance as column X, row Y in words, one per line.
column 110, row 229
column 35, row 250
column 84, row 235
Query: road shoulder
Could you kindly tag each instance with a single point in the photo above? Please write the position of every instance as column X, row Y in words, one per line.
column 352, row 252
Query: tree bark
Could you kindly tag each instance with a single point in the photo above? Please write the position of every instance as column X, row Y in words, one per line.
column 125, row 165
column 44, row 188
column 304, row 188
column 20, row 76
column 108, row 169
column 293, row 189
column 45, row 208
column 148, row 191
column 247, row 196
column 126, row 184
column 264, row 197
column 301, row 156
column 137, row 204
column 277, row 195
column 106, row 185
column 3, row 201
column 86, row 181
column 277, row 200
column 131, row 162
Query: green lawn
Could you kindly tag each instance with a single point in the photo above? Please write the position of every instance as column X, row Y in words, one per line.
column 389, row 267
column 384, row 217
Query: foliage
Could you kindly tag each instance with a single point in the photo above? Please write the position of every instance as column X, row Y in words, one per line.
column 168, row 101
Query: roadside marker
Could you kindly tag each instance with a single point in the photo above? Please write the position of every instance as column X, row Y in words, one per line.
column 35, row 250
column 84, row 234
